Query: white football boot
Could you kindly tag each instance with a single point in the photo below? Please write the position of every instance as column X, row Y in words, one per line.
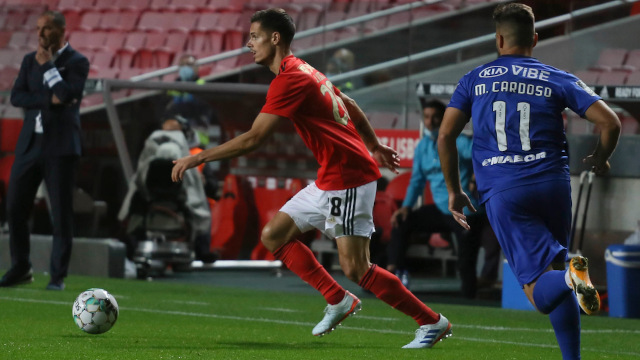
column 334, row 314
column 429, row 335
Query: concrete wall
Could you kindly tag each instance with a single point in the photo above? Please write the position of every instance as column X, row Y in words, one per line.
column 90, row 257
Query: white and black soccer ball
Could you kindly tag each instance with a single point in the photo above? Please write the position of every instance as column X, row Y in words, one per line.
column 95, row 311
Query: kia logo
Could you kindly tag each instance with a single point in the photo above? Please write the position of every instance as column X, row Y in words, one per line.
column 493, row 71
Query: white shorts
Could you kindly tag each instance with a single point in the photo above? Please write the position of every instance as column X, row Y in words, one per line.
column 335, row 213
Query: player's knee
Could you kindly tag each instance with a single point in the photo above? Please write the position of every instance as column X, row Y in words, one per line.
column 269, row 239
column 353, row 270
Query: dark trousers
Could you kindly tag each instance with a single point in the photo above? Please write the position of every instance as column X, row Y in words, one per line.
column 428, row 219
column 28, row 171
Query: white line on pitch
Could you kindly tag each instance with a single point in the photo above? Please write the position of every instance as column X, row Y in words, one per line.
column 302, row 323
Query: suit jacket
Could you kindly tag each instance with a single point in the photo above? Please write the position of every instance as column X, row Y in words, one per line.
column 32, row 92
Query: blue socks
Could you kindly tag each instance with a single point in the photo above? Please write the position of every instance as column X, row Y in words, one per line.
column 552, row 296
column 550, row 290
column 565, row 319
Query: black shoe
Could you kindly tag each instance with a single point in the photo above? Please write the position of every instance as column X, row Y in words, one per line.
column 15, row 277
column 208, row 258
column 58, row 286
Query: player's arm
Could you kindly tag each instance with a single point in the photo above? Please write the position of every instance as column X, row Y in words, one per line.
column 453, row 123
column 261, row 130
column 607, row 121
column 385, row 155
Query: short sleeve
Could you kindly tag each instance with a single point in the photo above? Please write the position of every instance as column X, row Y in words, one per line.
column 285, row 96
column 578, row 95
column 460, row 98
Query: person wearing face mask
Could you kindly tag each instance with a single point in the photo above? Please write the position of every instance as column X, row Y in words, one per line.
column 436, row 218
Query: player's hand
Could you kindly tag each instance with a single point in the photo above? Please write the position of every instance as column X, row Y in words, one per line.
column 597, row 165
column 55, row 100
column 401, row 213
column 181, row 165
column 457, row 203
column 387, row 157
column 43, row 55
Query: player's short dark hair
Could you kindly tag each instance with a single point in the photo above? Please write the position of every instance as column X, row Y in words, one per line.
column 57, row 18
column 436, row 104
column 520, row 19
column 273, row 20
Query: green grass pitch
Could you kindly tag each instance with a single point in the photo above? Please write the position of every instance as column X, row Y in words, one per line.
column 160, row 320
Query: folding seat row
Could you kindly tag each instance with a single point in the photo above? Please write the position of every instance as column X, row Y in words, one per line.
column 615, row 77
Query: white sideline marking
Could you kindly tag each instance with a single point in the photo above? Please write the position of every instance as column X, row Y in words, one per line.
column 188, row 302
column 382, row 331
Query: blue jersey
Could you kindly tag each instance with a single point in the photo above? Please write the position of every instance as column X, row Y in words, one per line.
column 516, row 104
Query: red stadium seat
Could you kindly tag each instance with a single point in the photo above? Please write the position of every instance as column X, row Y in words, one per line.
column 612, row 78
column 208, row 21
column 19, row 40
column 633, row 60
column 610, row 59
column 397, row 187
column 5, row 37
column 132, row 5
column 90, row 21
column 15, row 20
column 633, row 79
column 630, row 125
column 155, row 21
column 589, row 77
column 230, row 217
column 133, row 42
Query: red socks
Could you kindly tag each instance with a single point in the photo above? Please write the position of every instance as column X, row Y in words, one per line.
column 299, row 259
column 388, row 288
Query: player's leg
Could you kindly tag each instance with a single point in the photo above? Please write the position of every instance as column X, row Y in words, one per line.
column 532, row 228
column 352, row 230
column 278, row 236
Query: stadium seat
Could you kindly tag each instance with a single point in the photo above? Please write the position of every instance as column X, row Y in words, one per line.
column 19, row 40
column 589, row 77
column 612, row 78
column 230, row 218
column 106, row 5
column 5, row 37
column 397, row 187
column 160, row 5
column 114, row 41
column 155, row 21
column 90, row 21
column 208, row 21
column 633, row 60
column 30, row 23
column 183, row 22
column 610, row 59
column 173, row 45
column 133, row 42
column 15, row 20
column 191, row 5
column 633, row 79
column 132, row 5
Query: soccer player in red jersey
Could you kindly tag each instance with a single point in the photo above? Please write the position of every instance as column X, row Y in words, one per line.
column 340, row 202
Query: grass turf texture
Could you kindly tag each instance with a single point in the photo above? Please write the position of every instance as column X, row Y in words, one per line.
column 160, row 320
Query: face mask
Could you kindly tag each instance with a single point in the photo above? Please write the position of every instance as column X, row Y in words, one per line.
column 186, row 73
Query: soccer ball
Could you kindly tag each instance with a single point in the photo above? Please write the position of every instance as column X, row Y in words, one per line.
column 95, row 311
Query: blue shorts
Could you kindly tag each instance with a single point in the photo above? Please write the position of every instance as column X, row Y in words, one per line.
column 533, row 225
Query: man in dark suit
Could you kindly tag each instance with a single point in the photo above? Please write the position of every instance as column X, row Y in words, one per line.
column 49, row 88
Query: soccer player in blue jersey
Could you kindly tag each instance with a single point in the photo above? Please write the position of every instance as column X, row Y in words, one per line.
column 521, row 166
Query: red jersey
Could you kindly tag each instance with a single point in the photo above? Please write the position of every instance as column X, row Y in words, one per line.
column 305, row 96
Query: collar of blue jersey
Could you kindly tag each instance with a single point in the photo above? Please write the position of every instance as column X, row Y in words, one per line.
column 517, row 56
